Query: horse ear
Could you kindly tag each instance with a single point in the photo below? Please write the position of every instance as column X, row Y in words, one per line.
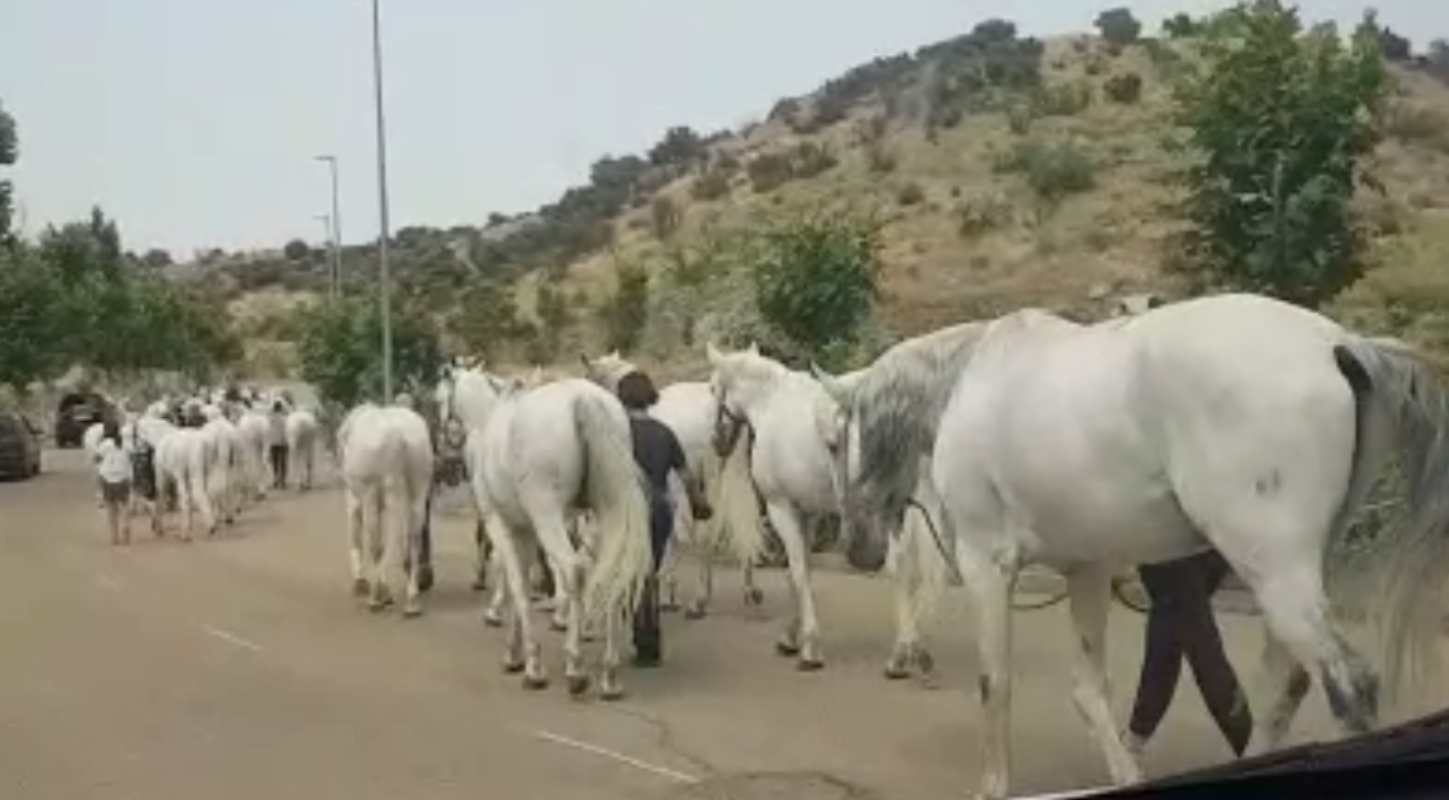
column 832, row 385
column 713, row 354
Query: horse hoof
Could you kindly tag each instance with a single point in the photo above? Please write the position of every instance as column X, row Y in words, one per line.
column 425, row 579
column 412, row 610
column 512, row 667
column 810, row 665
column 754, row 597
column 925, row 661
column 578, row 684
column 360, row 587
column 534, row 682
column 479, row 585
column 787, row 649
column 561, row 627
column 611, row 693
column 895, row 672
column 694, row 612
column 492, row 620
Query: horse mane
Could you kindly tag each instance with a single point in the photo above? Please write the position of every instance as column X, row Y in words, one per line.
column 902, row 395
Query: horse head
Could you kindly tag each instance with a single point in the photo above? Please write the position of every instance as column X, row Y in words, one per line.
column 607, row 370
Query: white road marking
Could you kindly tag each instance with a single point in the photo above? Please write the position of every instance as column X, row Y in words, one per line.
column 231, row 638
column 1067, row 795
column 633, row 762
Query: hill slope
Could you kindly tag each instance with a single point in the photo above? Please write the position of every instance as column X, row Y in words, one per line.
column 925, row 142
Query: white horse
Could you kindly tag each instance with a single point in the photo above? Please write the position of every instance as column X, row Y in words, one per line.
column 302, row 446
column 221, row 476
column 788, row 425
column 387, row 463
column 255, row 429
column 1234, row 422
column 546, row 450
column 182, row 458
column 691, row 411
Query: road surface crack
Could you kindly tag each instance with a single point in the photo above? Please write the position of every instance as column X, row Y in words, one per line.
column 667, row 740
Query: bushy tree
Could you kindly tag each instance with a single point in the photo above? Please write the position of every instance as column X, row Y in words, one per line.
column 1118, row 26
column 1281, row 122
column 156, row 257
column 487, row 318
column 625, row 312
column 341, row 350
column 815, row 281
column 1439, row 53
column 9, row 152
column 296, row 250
column 31, row 325
column 1180, row 26
column 680, row 145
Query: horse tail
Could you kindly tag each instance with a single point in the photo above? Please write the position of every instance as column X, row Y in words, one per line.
column 1400, row 405
column 614, row 489
column 739, row 503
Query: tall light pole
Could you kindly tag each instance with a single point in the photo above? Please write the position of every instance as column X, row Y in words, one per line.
column 385, row 287
column 326, row 220
column 336, row 238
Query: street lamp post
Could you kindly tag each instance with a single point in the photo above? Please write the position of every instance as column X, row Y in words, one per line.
column 336, row 237
column 326, row 220
column 384, row 279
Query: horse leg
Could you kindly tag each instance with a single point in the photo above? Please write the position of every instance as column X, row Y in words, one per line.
column 508, row 545
column 373, row 508
column 1290, row 683
column 1294, row 607
column 803, row 635
column 903, row 653
column 483, row 545
column 1088, row 588
column 609, row 686
column 355, row 530
column 991, row 581
column 706, row 535
column 415, row 516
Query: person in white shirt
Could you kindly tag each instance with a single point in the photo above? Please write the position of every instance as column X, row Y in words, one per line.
column 113, row 467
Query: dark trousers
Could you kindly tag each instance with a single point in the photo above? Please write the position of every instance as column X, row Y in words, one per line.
column 279, row 466
column 648, row 637
column 1180, row 624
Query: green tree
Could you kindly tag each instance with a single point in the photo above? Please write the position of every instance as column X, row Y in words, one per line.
column 815, row 281
column 340, row 350
column 626, row 311
column 9, row 152
column 1281, row 122
column 156, row 257
column 296, row 250
column 487, row 318
column 680, row 145
column 1180, row 26
column 1118, row 26
column 31, row 328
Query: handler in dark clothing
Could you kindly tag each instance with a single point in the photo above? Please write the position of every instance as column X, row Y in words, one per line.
column 1179, row 624
column 657, row 452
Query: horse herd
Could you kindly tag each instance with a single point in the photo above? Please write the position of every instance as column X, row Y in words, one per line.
column 208, row 453
column 1233, row 422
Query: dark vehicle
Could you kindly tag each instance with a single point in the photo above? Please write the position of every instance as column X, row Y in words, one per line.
column 19, row 447
column 77, row 412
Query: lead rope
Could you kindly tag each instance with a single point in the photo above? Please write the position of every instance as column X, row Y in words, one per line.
column 956, row 572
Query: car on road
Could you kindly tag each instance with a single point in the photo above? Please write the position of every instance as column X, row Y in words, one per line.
column 77, row 412
column 19, row 446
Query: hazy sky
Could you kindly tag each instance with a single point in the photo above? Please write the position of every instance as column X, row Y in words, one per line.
column 194, row 121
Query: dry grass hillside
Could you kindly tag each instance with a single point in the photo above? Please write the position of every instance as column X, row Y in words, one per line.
column 964, row 235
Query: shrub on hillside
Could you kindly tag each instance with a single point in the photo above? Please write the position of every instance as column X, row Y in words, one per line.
column 879, row 160
column 1275, row 218
column 625, row 312
column 810, row 159
column 680, row 146
column 665, row 216
column 487, row 318
column 1053, row 171
column 1118, row 26
column 1062, row 99
column 713, row 184
column 978, row 214
column 815, row 282
column 910, row 194
column 1018, row 119
column 768, row 171
column 296, row 250
column 1124, row 88
column 1419, row 124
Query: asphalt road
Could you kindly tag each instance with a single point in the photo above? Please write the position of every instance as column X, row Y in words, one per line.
column 241, row 667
